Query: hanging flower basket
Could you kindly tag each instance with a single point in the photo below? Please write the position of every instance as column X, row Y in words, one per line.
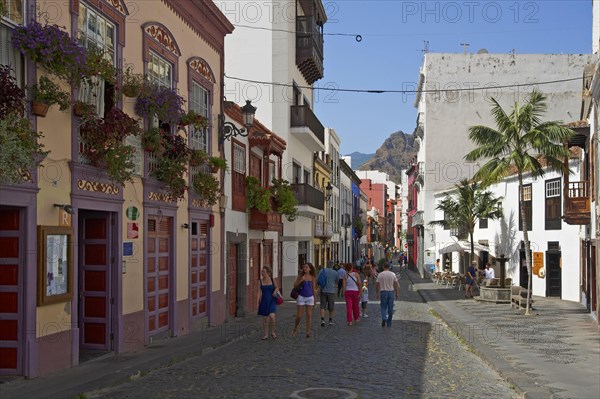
column 39, row 108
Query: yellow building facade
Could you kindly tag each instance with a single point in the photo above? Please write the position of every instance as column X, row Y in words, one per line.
column 91, row 264
column 322, row 227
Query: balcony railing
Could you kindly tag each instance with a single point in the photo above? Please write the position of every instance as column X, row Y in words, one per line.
column 303, row 116
column 577, row 209
column 323, row 229
column 308, row 195
column 309, row 48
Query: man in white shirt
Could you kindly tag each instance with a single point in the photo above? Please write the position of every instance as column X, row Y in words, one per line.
column 489, row 274
column 387, row 289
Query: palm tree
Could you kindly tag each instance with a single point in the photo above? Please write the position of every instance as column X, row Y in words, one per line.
column 523, row 143
column 466, row 207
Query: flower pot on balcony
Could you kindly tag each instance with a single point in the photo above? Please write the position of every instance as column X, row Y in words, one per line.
column 39, row 108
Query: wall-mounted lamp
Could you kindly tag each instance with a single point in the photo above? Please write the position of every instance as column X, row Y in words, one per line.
column 228, row 130
column 185, row 226
column 328, row 192
column 67, row 208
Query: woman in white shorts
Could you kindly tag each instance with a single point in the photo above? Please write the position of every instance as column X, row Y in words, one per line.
column 307, row 283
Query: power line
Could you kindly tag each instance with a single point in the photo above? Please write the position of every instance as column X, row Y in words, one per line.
column 379, row 91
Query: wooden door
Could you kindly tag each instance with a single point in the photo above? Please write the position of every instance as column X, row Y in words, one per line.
column 11, row 276
column 232, row 259
column 553, row 274
column 158, row 274
column 199, row 269
column 254, row 273
column 95, row 260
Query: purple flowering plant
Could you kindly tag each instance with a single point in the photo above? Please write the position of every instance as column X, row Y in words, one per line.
column 164, row 102
column 52, row 48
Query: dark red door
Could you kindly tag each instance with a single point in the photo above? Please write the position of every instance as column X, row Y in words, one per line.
column 254, row 273
column 199, row 269
column 232, row 278
column 158, row 274
column 95, row 259
column 11, row 272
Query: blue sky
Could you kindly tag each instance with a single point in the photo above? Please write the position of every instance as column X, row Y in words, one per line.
column 389, row 55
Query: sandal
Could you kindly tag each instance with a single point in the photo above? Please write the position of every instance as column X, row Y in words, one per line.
column 294, row 332
column 265, row 337
column 273, row 336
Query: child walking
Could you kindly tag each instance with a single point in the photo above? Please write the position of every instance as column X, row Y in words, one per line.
column 364, row 298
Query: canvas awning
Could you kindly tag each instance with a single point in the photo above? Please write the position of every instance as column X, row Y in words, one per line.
column 464, row 246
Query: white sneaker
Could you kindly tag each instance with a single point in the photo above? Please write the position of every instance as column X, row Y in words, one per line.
column 365, row 315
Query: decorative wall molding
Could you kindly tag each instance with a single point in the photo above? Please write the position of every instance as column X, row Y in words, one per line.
column 201, row 67
column 155, row 196
column 98, row 187
column 162, row 35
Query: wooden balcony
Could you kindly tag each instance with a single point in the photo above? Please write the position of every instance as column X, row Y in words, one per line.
column 270, row 221
column 577, row 209
column 309, row 48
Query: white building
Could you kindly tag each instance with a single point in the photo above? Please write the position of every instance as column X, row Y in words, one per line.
column 445, row 115
column 332, row 145
column 554, row 243
column 282, row 45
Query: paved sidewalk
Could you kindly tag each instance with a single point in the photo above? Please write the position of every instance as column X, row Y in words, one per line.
column 111, row 369
column 554, row 353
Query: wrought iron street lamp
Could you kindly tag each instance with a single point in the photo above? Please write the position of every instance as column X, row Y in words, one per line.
column 328, row 191
column 228, row 130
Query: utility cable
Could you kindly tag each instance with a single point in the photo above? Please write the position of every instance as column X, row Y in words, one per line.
column 378, row 91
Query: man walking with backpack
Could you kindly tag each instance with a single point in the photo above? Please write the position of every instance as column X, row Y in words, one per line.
column 326, row 281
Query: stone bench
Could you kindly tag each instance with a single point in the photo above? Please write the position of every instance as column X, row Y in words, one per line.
column 518, row 297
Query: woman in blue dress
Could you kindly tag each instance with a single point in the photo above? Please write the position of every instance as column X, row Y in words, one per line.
column 266, row 301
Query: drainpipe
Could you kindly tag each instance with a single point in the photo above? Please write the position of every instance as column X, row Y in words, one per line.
column 588, row 268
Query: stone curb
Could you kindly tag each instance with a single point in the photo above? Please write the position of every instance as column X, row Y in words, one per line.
column 525, row 386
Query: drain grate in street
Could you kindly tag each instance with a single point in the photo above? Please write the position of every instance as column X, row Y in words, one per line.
column 324, row 393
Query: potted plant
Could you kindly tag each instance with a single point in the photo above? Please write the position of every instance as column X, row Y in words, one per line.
column 162, row 102
column 152, row 139
column 132, row 83
column 171, row 164
column 257, row 196
column 285, row 199
column 105, row 143
column 52, row 48
column 13, row 97
column 208, row 187
column 217, row 163
column 84, row 110
column 46, row 93
column 198, row 157
column 98, row 63
column 21, row 151
column 192, row 118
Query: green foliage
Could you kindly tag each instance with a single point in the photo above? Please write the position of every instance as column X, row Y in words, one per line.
column 98, row 63
column 132, row 83
column 285, row 199
column 218, row 163
column 198, row 157
column 170, row 166
column 208, row 187
column 20, row 151
column 358, row 227
column 191, row 118
column 521, row 142
column 152, row 139
column 257, row 196
column 13, row 97
column 48, row 92
column 105, row 143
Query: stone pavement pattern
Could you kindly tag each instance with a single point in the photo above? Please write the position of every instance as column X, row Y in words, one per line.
column 554, row 353
column 417, row 357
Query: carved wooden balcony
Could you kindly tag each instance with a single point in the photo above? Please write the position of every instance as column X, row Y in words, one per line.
column 269, row 221
column 577, row 209
column 309, row 48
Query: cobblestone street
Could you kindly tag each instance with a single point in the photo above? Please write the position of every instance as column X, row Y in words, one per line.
column 417, row 357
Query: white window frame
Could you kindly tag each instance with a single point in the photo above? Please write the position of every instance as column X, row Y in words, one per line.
column 95, row 34
column 239, row 158
column 9, row 5
column 160, row 70
column 553, row 188
column 199, row 103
